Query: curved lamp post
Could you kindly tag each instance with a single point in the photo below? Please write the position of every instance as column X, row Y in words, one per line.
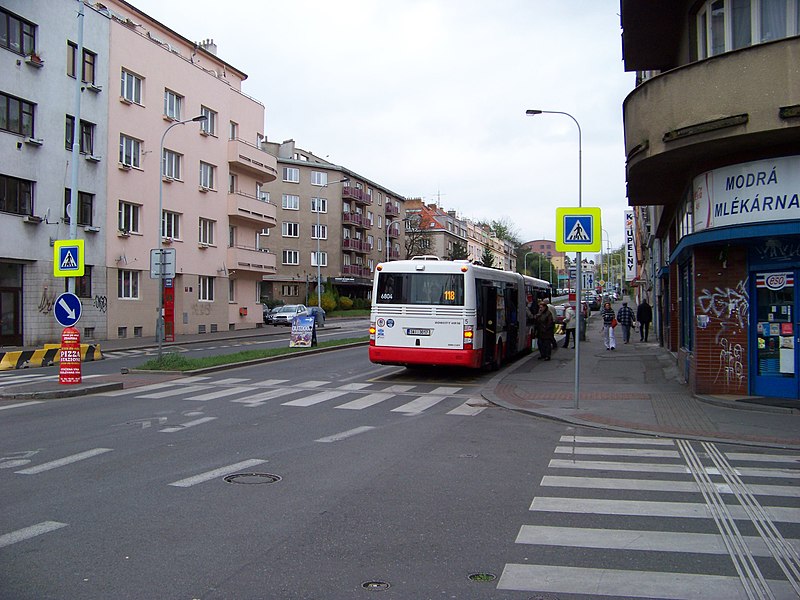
column 161, row 171
column 578, row 293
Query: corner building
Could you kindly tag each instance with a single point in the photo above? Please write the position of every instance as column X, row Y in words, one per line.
column 712, row 138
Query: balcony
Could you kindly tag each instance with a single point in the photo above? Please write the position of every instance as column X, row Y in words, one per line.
column 699, row 117
column 353, row 193
column 353, row 245
column 249, row 208
column 244, row 258
column 252, row 160
column 393, row 231
column 356, row 271
column 392, row 210
column 394, row 254
column 351, row 218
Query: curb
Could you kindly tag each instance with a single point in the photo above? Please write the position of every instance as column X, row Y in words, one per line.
column 65, row 393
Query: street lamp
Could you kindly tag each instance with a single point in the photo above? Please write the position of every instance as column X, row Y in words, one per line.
column 160, row 251
column 578, row 299
column 319, row 257
column 525, row 262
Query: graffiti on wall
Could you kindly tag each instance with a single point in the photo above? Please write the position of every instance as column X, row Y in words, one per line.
column 101, row 303
column 201, row 309
column 730, row 307
column 47, row 301
column 778, row 250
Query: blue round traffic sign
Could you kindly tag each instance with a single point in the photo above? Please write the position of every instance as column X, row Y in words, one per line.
column 67, row 309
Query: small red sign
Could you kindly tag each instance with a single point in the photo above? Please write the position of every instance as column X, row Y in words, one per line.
column 69, row 370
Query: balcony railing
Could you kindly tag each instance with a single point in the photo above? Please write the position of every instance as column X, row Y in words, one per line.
column 392, row 210
column 356, row 245
column 249, row 208
column 251, row 159
column 351, row 218
column 246, row 258
column 353, row 193
column 356, row 271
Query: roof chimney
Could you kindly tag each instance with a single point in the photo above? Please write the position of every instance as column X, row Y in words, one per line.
column 208, row 46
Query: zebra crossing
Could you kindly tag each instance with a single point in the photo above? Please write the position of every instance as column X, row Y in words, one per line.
column 727, row 524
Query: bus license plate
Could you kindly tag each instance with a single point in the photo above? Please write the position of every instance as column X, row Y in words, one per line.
column 418, row 331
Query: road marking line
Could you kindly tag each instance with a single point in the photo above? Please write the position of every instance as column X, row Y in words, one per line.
column 399, row 389
column 312, row 384
column 139, row 389
column 447, row 391
column 587, row 439
column 230, row 380
column 186, row 425
column 221, row 393
column 420, row 404
column 354, row 387
column 29, row 532
column 21, row 404
column 614, row 582
column 175, row 391
column 314, row 399
column 763, row 457
column 345, row 434
column 660, row 485
column 633, row 467
column 67, row 460
column 618, row 452
column 366, row 401
column 465, row 410
column 261, row 397
column 270, row 382
column 216, row 473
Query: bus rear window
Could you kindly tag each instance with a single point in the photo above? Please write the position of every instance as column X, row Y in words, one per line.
column 438, row 289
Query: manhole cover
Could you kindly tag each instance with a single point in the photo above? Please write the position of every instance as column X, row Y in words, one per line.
column 252, row 478
column 375, row 585
column 482, row 577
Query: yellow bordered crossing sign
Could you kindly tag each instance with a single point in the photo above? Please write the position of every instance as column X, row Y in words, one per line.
column 578, row 230
column 68, row 258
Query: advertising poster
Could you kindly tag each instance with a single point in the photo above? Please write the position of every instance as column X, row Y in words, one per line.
column 304, row 332
column 630, row 247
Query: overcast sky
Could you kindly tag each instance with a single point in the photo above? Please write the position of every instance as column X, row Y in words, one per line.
column 428, row 97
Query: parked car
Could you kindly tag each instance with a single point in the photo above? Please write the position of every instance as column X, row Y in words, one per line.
column 560, row 309
column 318, row 313
column 268, row 314
column 283, row 315
column 593, row 300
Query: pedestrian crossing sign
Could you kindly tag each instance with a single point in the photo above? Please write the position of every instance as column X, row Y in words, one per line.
column 578, row 230
column 68, row 258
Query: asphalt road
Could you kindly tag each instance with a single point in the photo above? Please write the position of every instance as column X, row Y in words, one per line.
column 352, row 479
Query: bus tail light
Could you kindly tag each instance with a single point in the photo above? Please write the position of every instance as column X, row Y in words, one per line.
column 468, row 335
column 372, row 334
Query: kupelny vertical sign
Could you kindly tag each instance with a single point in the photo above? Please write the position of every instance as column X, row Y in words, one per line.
column 630, row 247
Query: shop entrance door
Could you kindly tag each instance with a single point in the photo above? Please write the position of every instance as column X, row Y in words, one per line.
column 10, row 326
column 776, row 325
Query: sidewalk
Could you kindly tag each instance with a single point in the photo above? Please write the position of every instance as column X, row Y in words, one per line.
column 637, row 389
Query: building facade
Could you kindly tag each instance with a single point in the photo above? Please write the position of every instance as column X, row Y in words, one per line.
column 712, row 133
column 39, row 61
column 333, row 224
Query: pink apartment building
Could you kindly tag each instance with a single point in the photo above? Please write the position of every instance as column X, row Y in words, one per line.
column 210, row 176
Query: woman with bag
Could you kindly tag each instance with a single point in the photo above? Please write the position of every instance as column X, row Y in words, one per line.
column 609, row 322
column 570, row 321
column 545, row 328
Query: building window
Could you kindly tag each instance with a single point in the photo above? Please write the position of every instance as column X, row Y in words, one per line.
column 16, row 195
column 207, row 173
column 319, row 232
column 206, row 231
column 85, row 202
column 290, row 202
column 319, row 178
column 170, row 225
column 131, row 88
column 289, row 229
column 128, row 217
column 83, row 285
column 127, row 284
column 290, row 257
column 17, row 34
column 16, row 115
column 209, row 126
column 87, row 135
column 171, row 164
column 231, row 290
column 261, row 193
column 319, row 205
column 172, row 105
column 130, row 151
column 323, row 259
column 88, row 65
column 233, row 130
column 291, row 174
column 205, row 288
column 233, row 183
column 290, row 290
column 686, row 305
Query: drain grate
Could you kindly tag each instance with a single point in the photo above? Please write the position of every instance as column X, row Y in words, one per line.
column 482, row 577
column 375, row 586
column 252, row 478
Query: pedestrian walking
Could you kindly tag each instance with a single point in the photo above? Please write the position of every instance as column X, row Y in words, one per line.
column 552, row 309
column 625, row 319
column 570, row 321
column 644, row 316
column 609, row 322
column 544, row 331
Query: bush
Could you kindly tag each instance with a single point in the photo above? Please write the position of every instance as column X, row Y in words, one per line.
column 345, row 303
column 361, row 303
column 328, row 302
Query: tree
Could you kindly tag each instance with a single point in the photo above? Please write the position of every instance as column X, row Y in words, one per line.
column 417, row 238
column 506, row 230
column 488, row 257
column 459, row 251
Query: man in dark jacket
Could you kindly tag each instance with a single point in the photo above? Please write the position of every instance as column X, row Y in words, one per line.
column 644, row 315
column 625, row 320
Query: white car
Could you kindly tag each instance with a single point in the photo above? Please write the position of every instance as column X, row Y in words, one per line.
column 283, row 315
